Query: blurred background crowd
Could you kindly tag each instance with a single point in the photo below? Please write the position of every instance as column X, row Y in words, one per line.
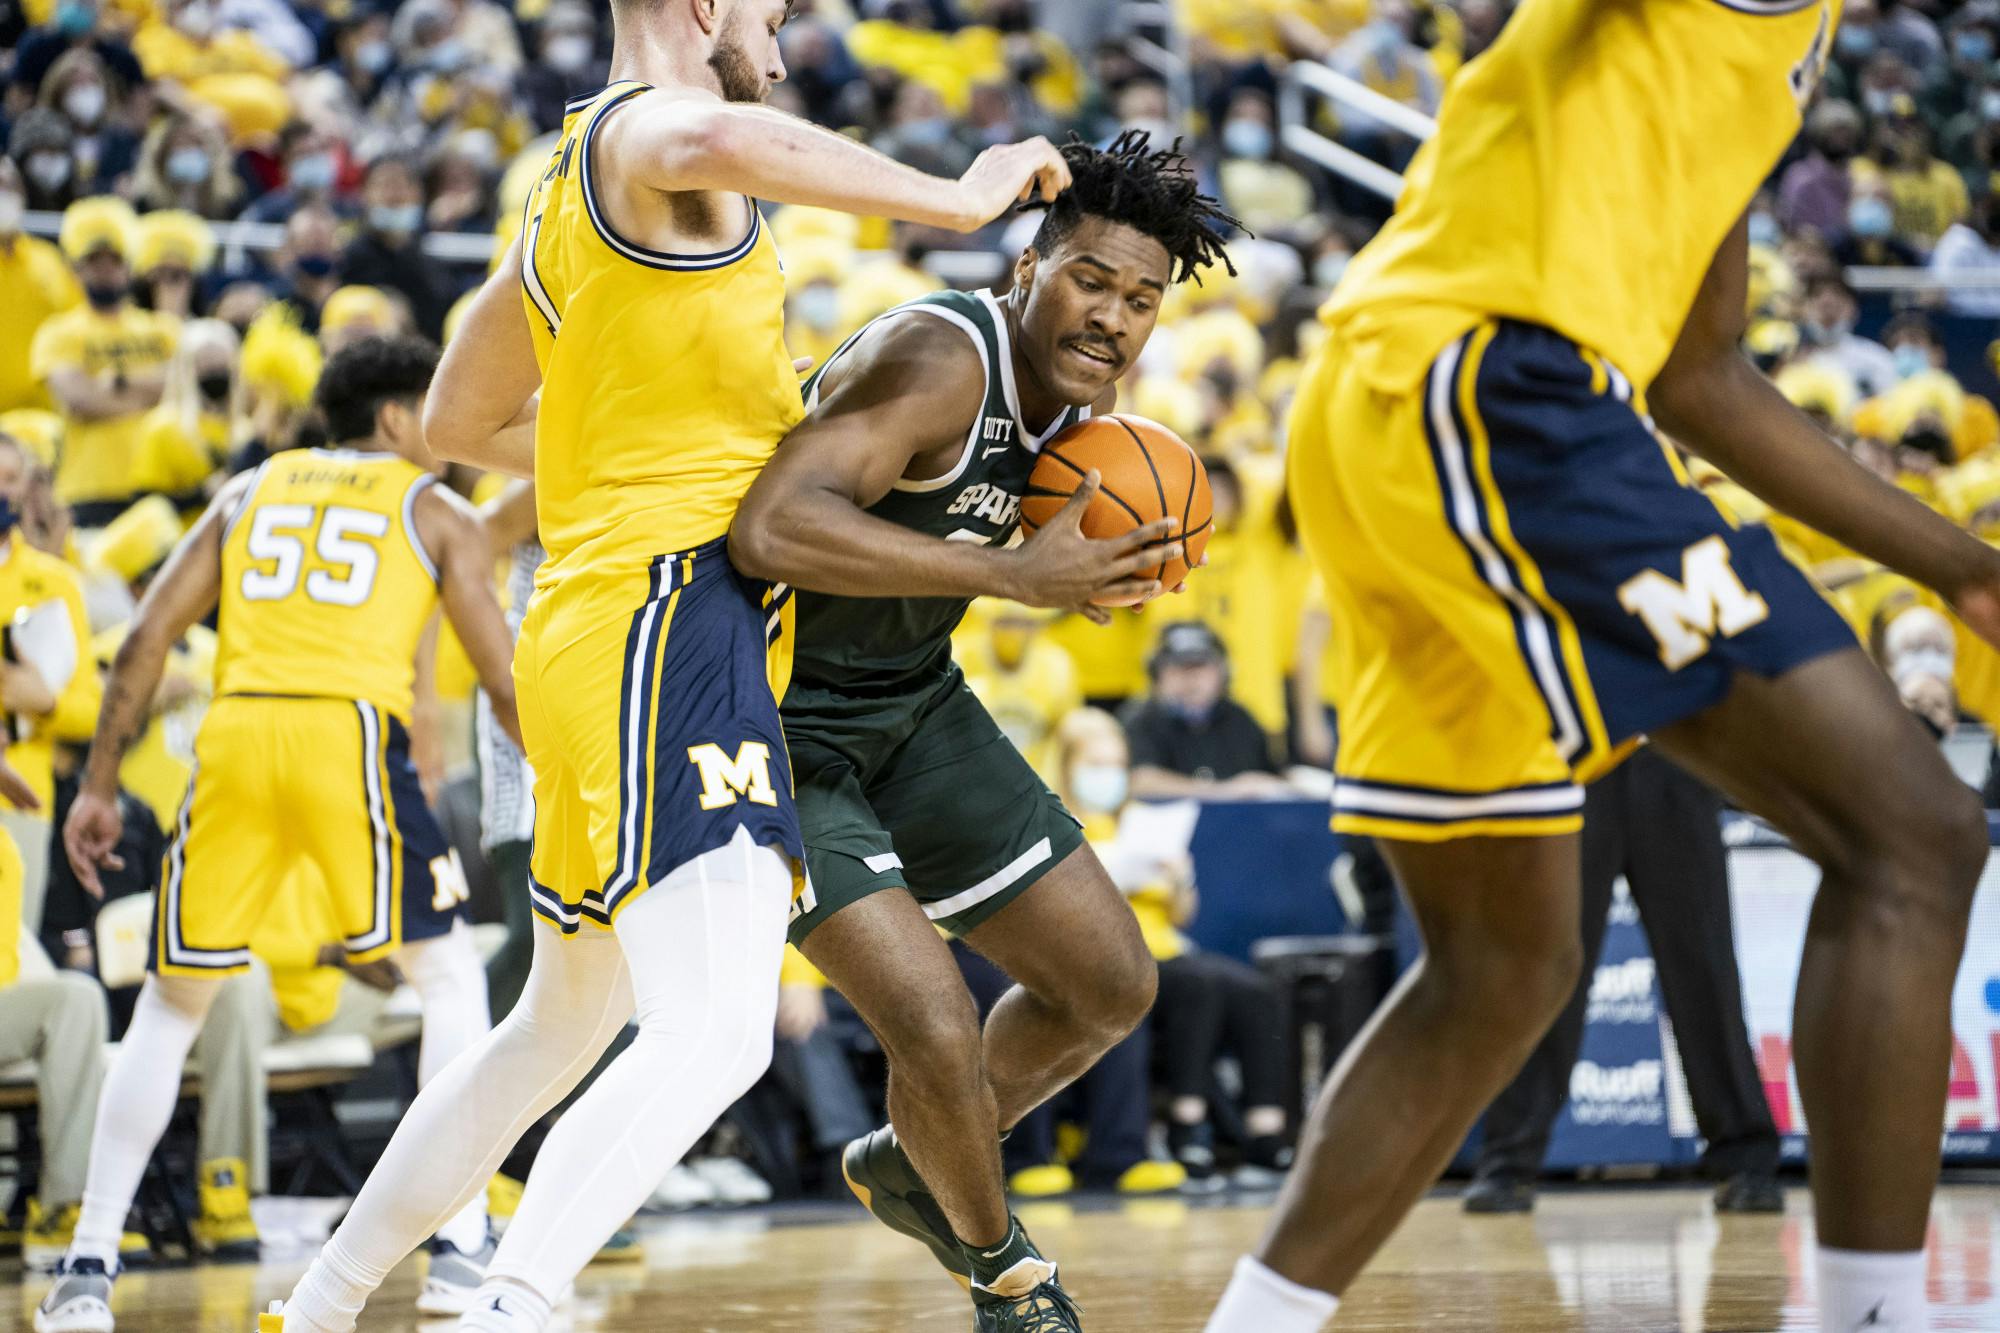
column 202, row 199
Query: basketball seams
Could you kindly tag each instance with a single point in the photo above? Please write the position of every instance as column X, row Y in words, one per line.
column 1102, row 489
column 1159, row 488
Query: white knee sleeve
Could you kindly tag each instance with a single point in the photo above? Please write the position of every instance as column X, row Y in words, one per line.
column 703, row 946
column 138, row 1101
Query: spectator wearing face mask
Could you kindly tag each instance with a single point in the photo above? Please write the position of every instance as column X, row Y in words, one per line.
column 1828, row 326
column 309, row 264
column 364, row 55
column 1188, row 737
column 40, row 145
column 569, row 63
column 80, row 85
column 1382, row 56
column 185, row 164
column 1815, row 190
column 922, row 134
column 312, row 167
column 35, row 283
column 1929, row 196
column 49, row 689
column 1968, row 247
column 72, row 25
column 1869, row 238
column 203, row 407
column 172, row 251
column 104, row 362
column 1264, row 192
column 388, row 252
column 1913, row 341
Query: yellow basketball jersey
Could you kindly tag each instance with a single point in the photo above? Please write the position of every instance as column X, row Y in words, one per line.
column 665, row 380
column 1585, row 171
column 326, row 586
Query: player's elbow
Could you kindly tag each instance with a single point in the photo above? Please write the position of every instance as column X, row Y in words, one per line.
column 446, row 439
column 755, row 547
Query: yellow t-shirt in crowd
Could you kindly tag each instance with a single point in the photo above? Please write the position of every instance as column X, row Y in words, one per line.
column 1110, row 660
column 11, row 878
column 232, row 72
column 1028, row 700
column 100, row 457
column 156, row 768
column 35, row 283
column 29, row 579
column 1153, row 904
column 173, row 460
column 1251, row 593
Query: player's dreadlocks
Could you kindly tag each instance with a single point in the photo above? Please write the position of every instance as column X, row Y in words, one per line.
column 1150, row 190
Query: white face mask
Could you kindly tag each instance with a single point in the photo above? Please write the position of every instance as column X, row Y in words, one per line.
column 569, row 54
column 84, row 103
column 1099, row 788
column 11, row 207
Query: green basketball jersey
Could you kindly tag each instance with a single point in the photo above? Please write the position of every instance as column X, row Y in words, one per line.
column 882, row 644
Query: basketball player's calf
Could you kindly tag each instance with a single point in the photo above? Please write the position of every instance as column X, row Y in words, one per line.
column 1502, row 952
column 1827, row 753
column 953, row 1089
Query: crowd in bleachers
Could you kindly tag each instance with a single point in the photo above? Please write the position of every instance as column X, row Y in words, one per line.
column 150, row 347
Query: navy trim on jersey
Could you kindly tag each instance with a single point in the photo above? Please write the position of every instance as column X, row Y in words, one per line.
column 1768, row 8
column 1438, row 805
column 639, row 254
column 1446, row 431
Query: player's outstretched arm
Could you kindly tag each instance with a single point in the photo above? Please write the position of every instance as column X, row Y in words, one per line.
column 185, row 591
column 679, row 144
column 907, row 391
column 455, row 536
column 481, row 407
column 1716, row 403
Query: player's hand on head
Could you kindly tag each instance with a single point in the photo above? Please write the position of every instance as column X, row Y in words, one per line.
column 1060, row 567
column 90, row 836
column 1009, row 174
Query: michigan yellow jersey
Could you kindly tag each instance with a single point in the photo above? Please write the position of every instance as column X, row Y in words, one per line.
column 665, row 380
column 326, row 585
column 1585, row 170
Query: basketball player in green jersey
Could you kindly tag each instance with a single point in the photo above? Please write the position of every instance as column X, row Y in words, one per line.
column 890, row 507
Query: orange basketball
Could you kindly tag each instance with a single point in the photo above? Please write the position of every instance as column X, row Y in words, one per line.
column 1147, row 472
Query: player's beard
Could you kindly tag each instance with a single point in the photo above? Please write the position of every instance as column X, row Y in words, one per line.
column 736, row 72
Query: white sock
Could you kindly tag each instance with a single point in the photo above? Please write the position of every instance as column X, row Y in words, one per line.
column 465, row 1121
column 704, row 946
column 137, row 1102
column 1260, row 1301
column 1872, row 1292
column 505, row 1306
column 450, row 983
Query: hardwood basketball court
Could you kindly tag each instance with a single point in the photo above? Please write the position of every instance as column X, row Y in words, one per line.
column 1602, row 1257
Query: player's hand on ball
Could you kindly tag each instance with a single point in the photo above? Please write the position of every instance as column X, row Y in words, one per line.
column 1009, row 174
column 90, row 835
column 1060, row 567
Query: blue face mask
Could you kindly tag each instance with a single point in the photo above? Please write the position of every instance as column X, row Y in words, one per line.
column 1856, row 43
column 314, row 171
column 1764, row 230
column 74, row 19
column 1871, row 219
column 400, row 219
column 818, row 306
column 1972, row 47
column 1911, row 360
column 8, row 516
column 187, row 166
column 1246, row 138
column 315, row 266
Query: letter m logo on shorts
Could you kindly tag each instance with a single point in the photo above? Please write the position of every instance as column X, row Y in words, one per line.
column 1709, row 600
column 724, row 779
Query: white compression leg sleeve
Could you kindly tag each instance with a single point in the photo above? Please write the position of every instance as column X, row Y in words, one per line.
column 704, row 946
column 464, row 1123
column 451, row 985
column 138, row 1101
